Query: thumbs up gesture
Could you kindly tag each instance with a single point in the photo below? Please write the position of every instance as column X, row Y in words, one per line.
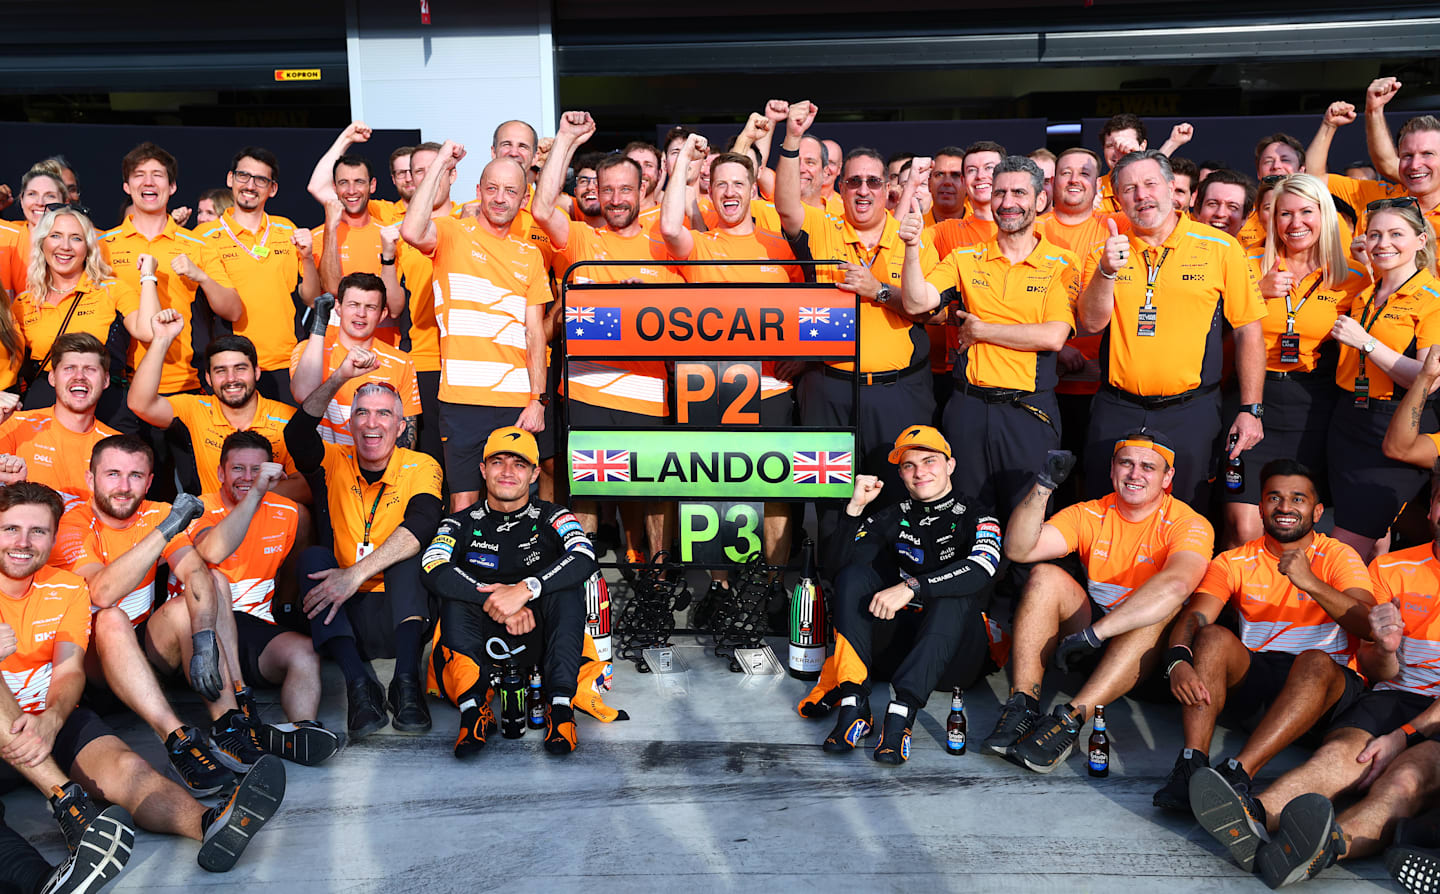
column 1117, row 249
column 1278, row 282
column 913, row 224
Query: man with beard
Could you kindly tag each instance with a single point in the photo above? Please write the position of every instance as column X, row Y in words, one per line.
column 619, row 394
column 1010, row 299
column 587, row 191
column 269, row 261
column 1143, row 552
column 40, row 686
column 234, row 404
column 115, row 542
column 400, row 176
column 894, row 365
column 1303, row 601
column 1155, row 294
column 1380, row 756
column 52, row 446
column 359, row 308
column 491, row 289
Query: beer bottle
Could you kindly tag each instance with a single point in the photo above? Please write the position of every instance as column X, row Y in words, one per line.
column 1099, row 747
column 808, row 634
column 512, row 702
column 534, row 703
column 955, row 723
column 1234, row 468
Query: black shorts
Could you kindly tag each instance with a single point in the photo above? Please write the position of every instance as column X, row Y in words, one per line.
column 82, row 727
column 463, row 431
column 252, row 637
column 1247, row 703
column 1382, row 711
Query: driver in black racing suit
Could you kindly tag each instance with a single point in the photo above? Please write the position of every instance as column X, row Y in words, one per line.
column 512, row 562
column 933, row 553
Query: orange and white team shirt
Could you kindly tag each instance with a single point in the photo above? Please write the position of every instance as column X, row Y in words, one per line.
column 394, row 369
column 1121, row 555
column 482, row 286
column 635, row 386
column 54, row 455
column 1411, row 579
column 83, row 539
column 1276, row 616
column 253, row 567
column 717, row 246
column 56, row 609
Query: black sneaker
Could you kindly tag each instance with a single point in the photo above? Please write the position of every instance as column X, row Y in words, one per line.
column 104, row 849
column 407, row 704
column 853, row 724
column 1413, row 859
column 477, row 722
column 230, row 826
column 365, row 711
column 74, row 811
column 1050, row 741
column 1229, row 816
column 195, row 764
column 1175, row 795
column 1017, row 719
column 894, row 745
column 234, row 742
column 560, row 729
column 1307, row 841
column 305, row 742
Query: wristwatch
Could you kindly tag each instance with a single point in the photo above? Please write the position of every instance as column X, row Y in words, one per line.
column 533, row 584
column 883, row 295
column 1256, row 410
column 386, row 263
column 1369, row 346
column 542, row 397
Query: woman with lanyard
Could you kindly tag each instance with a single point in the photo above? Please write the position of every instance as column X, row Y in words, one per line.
column 1384, row 340
column 70, row 289
column 1307, row 284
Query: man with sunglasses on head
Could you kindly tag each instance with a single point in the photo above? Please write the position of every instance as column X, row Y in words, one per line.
column 894, row 365
column 270, row 261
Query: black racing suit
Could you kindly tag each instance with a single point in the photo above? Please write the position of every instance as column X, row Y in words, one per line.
column 947, row 551
column 482, row 546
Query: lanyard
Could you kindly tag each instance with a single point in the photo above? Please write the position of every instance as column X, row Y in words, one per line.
column 1152, row 274
column 262, row 247
column 1290, row 312
column 1368, row 325
column 375, row 507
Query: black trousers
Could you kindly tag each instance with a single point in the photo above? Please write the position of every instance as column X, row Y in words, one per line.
column 1192, row 427
column 559, row 620
column 358, row 618
column 999, row 447
column 22, row 869
column 949, row 640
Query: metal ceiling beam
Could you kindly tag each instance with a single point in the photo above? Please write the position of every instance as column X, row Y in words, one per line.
column 1416, row 36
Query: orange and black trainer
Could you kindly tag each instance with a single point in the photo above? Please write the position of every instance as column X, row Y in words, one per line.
column 476, row 722
column 853, row 724
column 560, row 729
column 229, row 827
column 74, row 811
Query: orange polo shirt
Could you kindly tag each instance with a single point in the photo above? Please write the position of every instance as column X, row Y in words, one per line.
column 1200, row 270
column 1042, row 288
column 121, row 246
column 366, row 514
column 1081, row 239
column 359, row 253
column 96, row 305
column 13, row 247
column 1411, row 316
column 1316, row 306
column 265, row 269
column 208, row 428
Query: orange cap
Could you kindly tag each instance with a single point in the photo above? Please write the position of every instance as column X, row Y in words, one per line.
column 511, row 439
column 924, row 437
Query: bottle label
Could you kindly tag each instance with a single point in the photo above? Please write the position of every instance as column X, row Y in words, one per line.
column 806, row 659
column 955, row 738
column 1234, row 479
column 1099, row 760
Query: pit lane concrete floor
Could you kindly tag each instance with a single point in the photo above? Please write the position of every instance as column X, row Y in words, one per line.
column 714, row 784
